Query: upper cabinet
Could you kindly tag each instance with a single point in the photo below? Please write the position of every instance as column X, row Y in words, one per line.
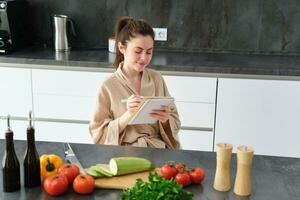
column 259, row 113
column 15, row 90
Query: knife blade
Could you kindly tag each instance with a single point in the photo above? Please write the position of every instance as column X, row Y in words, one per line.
column 70, row 157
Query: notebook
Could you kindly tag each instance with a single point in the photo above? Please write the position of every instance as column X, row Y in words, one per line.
column 142, row 115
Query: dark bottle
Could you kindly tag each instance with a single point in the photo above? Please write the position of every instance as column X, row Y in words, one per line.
column 32, row 174
column 10, row 163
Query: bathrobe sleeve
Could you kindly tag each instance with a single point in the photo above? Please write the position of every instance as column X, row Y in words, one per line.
column 102, row 121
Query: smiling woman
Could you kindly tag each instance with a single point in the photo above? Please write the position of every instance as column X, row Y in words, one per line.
column 133, row 80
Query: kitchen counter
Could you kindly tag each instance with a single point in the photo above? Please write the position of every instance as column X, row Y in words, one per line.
column 185, row 63
column 273, row 177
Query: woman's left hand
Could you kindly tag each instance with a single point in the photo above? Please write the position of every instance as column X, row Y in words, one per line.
column 162, row 114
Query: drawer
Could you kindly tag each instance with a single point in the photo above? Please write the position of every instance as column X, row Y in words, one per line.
column 196, row 114
column 15, row 90
column 192, row 89
column 76, row 83
column 62, row 132
column 196, row 140
column 63, row 107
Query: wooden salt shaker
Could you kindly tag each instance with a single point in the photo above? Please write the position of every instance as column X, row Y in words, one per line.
column 222, row 176
column 242, row 185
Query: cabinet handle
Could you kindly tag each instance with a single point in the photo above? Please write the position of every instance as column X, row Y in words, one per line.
column 192, row 128
column 41, row 119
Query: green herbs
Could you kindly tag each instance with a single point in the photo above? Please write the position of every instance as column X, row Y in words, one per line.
column 156, row 188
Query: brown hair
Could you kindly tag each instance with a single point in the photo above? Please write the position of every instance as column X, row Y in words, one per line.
column 127, row 28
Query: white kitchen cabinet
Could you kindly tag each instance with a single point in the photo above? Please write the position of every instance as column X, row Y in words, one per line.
column 61, row 82
column 15, row 90
column 195, row 100
column 194, row 114
column 63, row 107
column 62, row 132
column 196, row 140
column 2, row 128
column 65, row 94
column 18, row 127
column 192, row 89
column 263, row 114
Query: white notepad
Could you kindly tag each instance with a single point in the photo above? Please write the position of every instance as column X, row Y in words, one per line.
column 142, row 115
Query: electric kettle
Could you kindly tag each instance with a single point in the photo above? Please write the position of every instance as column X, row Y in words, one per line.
column 63, row 30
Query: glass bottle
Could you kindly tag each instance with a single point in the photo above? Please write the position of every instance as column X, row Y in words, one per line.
column 10, row 163
column 32, row 174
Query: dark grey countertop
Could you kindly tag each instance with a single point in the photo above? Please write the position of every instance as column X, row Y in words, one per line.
column 273, row 177
column 220, row 63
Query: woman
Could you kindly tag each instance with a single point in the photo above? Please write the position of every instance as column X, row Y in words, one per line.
column 132, row 80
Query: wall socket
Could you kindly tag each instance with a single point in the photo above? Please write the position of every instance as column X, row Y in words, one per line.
column 160, row 34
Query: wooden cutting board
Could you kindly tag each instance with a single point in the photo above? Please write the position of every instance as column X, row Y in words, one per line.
column 121, row 182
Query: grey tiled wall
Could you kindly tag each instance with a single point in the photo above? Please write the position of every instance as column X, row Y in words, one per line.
column 256, row 26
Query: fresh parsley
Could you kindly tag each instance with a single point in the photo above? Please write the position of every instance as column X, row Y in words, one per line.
column 157, row 188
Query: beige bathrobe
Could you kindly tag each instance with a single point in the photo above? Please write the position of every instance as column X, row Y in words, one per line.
column 104, row 127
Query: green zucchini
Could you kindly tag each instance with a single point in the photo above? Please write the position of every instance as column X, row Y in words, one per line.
column 103, row 169
column 128, row 165
column 93, row 172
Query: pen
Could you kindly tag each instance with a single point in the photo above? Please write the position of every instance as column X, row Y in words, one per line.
column 124, row 100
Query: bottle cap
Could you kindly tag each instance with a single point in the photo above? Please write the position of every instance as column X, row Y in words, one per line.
column 9, row 132
column 8, row 123
column 30, row 118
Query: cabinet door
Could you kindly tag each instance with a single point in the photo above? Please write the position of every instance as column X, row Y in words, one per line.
column 192, row 89
column 18, row 127
column 200, row 115
column 195, row 100
column 65, row 94
column 15, row 90
column 63, row 107
column 260, row 113
column 62, row 132
column 71, row 83
column 196, row 140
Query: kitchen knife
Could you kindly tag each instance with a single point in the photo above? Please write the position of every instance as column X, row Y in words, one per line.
column 71, row 157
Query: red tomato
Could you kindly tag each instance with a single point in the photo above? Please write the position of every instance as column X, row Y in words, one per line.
column 56, row 184
column 168, row 171
column 70, row 170
column 83, row 184
column 179, row 166
column 197, row 175
column 183, row 179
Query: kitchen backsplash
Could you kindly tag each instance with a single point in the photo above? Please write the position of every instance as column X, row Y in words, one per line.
column 252, row 26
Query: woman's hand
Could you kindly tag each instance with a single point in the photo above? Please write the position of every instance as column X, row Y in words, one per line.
column 162, row 114
column 133, row 102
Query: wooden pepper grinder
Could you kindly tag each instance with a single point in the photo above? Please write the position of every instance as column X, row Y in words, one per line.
column 242, row 185
column 222, row 176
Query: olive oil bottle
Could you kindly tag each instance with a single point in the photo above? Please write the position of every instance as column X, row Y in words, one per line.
column 10, row 163
column 32, row 174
